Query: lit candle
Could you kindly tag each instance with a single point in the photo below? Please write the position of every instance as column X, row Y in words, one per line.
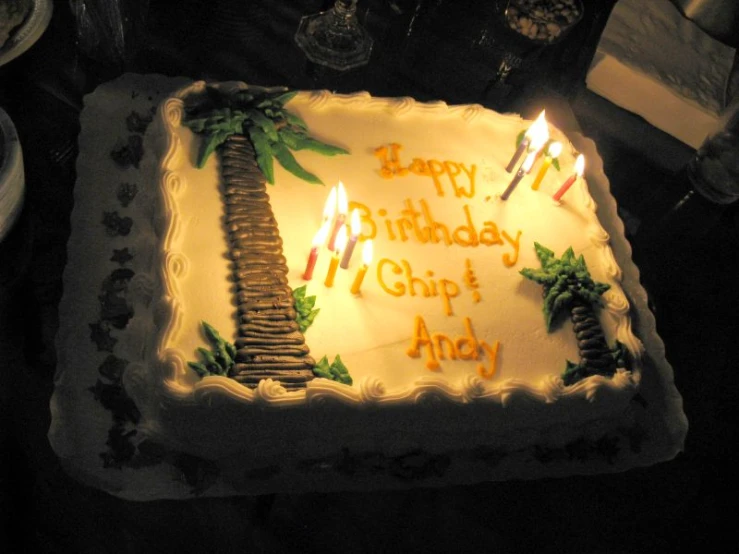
column 340, row 243
column 535, row 126
column 523, row 170
column 539, row 138
column 553, row 152
column 329, row 208
column 318, row 240
column 366, row 260
column 579, row 169
column 342, row 206
column 352, row 240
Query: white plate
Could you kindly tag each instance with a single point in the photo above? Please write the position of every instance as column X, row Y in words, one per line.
column 12, row 181
column 23, row 37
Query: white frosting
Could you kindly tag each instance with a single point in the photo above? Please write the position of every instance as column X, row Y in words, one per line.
column 372, row 331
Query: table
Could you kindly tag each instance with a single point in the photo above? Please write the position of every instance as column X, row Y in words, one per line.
column 693, row 290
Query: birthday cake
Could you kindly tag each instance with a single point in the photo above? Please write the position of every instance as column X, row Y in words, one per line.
column 332, row 290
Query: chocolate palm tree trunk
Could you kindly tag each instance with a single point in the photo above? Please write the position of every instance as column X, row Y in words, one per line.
column 270, row 343
column 595, row 355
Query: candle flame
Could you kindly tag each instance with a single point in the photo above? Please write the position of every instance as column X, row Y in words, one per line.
column 528, row 162
column 320, row 237
column 539, row 133
column 342, row 203
column 340, row 240
column 580, row 165
column 537, row 124
column 367, row 252
column 330, row 206
column 355, row 223
column 555, row 149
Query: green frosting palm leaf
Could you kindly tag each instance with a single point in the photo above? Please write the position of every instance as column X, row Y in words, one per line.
column 565, row 280
column 273, row 130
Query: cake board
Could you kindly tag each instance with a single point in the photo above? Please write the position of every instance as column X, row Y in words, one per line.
column 85, row 434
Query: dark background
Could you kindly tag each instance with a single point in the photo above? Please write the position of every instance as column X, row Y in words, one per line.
column 429, row 50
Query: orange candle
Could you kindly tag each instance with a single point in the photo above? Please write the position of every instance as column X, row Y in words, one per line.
column 366, row 260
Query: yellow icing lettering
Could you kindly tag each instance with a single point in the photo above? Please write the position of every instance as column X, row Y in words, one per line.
column 434, row 228
column 422, row 339
column 489, row 234
column 467, row 345
column 413, row 281
column 365, row 218
column 492, row 354
column 440, row 346
column 412, row 215
column 453, row 169
column 398, row 169
column 448, row 290
column 432, row 283
column 466, row 235
column 390, row 166
column 509, row 260
column 470, row 280
column 440, row 339
column 398, row 288
column 382, row 212
column 409, row 283
column 404, row 224
column 419, row 167
column 471, row 176
column 436, row 170
column 390, row 161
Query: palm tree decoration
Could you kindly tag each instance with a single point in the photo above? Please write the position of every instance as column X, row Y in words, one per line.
column 248, row 129
column 568, row 286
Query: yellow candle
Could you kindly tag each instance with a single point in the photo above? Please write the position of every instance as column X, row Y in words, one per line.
column 329, row 282
column 366, row 259
column 554, row 150
column 334, row 264
column 358, row 279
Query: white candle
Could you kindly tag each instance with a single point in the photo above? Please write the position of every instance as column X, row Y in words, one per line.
column 342, row 206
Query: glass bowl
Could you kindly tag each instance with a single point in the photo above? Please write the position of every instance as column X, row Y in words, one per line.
column 542, row 21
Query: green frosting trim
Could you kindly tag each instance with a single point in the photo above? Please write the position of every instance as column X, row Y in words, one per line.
column 219, row 359
column 565, row 280
column 304, row 305
column 262, row 116
column 336, row 370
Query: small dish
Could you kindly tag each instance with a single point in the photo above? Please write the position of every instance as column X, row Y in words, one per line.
column 12, row 178
column 543, row 21
column 25, row 36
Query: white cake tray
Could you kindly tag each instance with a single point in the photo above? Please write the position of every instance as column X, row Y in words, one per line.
column 80, row 425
